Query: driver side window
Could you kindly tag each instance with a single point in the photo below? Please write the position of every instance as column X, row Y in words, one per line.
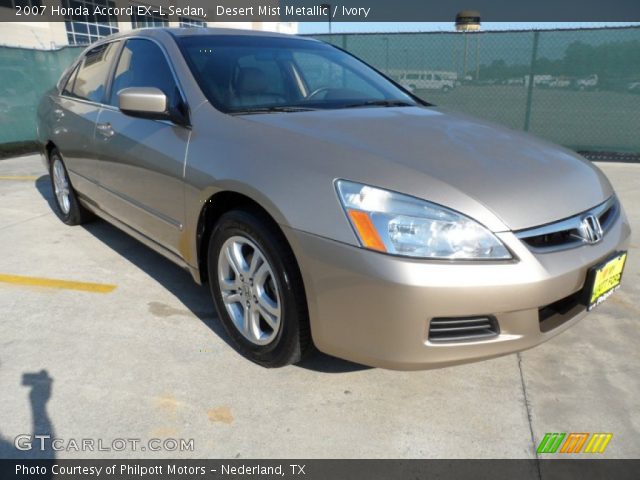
column 319, row 72
column 142, row 64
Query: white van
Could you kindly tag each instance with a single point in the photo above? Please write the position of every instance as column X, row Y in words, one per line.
column 426, row 80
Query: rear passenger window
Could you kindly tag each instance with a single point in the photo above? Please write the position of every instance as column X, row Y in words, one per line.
column 92, row 77
column 142, row 64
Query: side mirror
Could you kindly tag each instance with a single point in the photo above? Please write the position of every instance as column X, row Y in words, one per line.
column 148, row 102
column 152, row 103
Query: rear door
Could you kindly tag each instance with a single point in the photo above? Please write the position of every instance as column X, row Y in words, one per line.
column 142, row 160
column 75, row 113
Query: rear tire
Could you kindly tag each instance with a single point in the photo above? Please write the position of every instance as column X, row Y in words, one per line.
column 66, row 204
column 257, row 289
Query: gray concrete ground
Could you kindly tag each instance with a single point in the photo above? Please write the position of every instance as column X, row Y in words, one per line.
column 150, row 360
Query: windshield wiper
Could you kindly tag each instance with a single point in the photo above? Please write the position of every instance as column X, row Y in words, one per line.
column 379, row 103
column 271, row 109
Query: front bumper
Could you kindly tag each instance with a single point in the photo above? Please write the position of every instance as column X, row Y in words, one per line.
column 375, row 309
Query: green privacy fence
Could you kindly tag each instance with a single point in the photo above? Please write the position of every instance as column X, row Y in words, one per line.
column 24, row 76
column 579, row 88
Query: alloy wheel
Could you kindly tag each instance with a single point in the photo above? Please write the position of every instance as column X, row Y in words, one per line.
column 61, row 186
column 249, row 290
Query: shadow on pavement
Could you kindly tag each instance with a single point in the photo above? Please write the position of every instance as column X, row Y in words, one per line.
column 179, row 282
column 170, row 276
column 43, row 185
column 40, row 384
column 323, row 363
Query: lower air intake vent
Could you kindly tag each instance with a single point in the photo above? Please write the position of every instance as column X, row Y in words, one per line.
column 462, row 329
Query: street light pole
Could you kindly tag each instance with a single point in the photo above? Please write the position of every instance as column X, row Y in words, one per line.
column 468, row 21
column 386, row 55
column 477, row 57
column 466, row 55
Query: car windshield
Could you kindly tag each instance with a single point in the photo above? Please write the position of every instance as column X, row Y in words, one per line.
column 247, row 73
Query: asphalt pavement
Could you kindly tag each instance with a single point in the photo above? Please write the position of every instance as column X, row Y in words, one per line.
column 138, row 354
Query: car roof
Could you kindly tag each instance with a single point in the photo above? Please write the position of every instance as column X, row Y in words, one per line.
column 191, row 31
column 160, row 33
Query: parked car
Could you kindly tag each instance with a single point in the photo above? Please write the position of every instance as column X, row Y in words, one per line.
column 324, row 205
column 559, row 82
column 514, row 81
column 587, row 83
column 426, row 81
column 539, row 81
column 633, row 87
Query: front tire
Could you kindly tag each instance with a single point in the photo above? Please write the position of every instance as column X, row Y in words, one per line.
column 66, row 204
column 257, row 289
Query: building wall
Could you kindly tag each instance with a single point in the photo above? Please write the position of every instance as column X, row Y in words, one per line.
column 38, row 35
column 53, row 35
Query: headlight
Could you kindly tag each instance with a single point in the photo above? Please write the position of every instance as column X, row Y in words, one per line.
column 403, row 225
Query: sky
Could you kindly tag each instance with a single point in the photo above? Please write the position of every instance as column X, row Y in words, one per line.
column 361, row 27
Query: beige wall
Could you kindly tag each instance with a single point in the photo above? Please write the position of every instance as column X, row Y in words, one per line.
column 38, row 35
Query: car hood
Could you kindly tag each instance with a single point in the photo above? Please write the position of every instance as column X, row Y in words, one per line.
column 522, row 180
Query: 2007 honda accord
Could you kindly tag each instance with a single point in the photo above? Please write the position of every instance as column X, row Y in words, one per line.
column 325, row 205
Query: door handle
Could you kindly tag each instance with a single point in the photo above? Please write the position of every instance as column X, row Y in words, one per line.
column 59, row 113
column 105, row 129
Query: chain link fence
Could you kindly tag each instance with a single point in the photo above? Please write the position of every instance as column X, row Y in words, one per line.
column 25, row 75
column 578, row 88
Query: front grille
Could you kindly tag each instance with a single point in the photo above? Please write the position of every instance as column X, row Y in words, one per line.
column 567, row 233
column 462, row 329
column 554, row 315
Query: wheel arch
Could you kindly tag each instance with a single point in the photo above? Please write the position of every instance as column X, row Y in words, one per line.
column 228, row 200
column 217, row 205
column 49, row 146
